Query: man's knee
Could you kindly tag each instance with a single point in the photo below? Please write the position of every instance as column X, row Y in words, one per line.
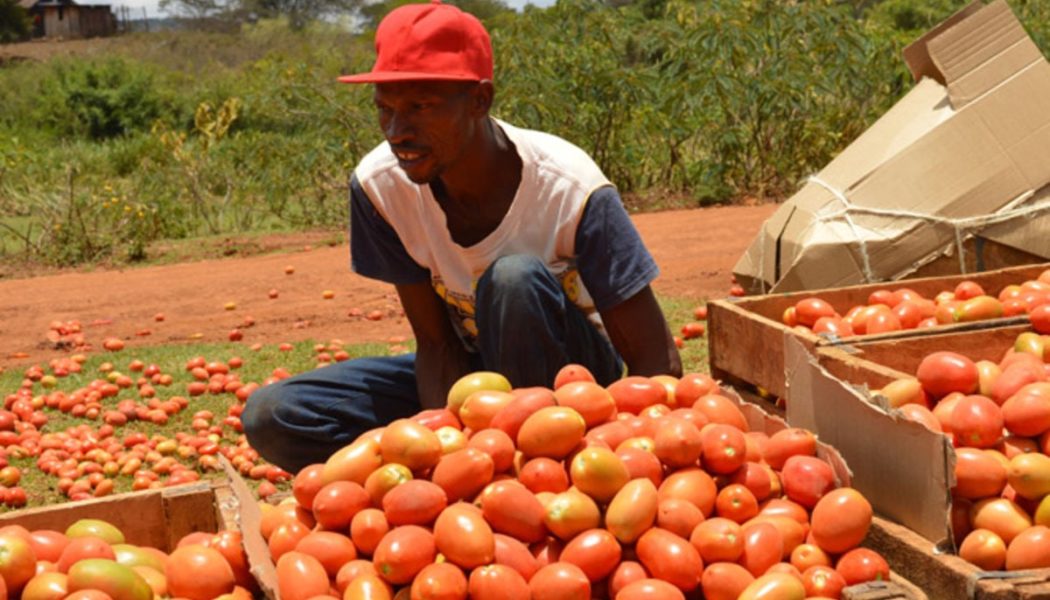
column 516, row 271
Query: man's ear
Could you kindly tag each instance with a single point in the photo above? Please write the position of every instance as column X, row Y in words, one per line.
column 481, row 97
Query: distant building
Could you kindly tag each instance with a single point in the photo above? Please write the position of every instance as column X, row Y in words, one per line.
column 66, row 19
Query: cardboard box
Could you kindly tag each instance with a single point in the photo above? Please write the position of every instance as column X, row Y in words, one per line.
column 904, row 469
column 960, row 164
column 156, row 518
column 745, row 335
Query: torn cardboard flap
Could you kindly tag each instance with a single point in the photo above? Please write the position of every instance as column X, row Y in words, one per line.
column 249, row 520
column 947, row 162
column 905, row 470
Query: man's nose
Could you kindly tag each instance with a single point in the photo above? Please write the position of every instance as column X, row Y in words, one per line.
column 398, row 128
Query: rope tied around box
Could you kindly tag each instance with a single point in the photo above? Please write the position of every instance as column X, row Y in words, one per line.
column 962, row 227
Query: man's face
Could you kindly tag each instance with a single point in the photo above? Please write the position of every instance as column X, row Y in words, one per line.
column 427, row 123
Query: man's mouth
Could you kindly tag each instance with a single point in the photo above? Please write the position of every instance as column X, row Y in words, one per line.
column 407, row 155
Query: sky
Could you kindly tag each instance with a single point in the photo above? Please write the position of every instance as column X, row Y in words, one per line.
column 152, row 10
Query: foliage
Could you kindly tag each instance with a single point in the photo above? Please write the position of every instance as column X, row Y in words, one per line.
column 681, row 103
column 14, row 22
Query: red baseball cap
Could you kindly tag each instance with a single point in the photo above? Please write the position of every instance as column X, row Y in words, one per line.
column 433, row 42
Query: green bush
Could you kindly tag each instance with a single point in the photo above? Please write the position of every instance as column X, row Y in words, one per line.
column 100, row 99
column 14, row 22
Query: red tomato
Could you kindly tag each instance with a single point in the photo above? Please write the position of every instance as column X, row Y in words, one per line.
column 1030, row 549
column 351, row 571
column 678, row 516
column 805, row 556
column 198, row 573
column 1040, row 318
column 978, row 474
column 300, row 576
column 512, row 509
column 808, row 310
column 763, row 547
column 670, row 558
column 571, row 512
column 439, row 581
column 806, row 479
column 497, row 444
column 692, row 386
column 976, row 422
column 463, row 473
column 677, row 443
column 367, row 528
column 336, row 503
column 18, row 562
column 594, row 403
column 526, row 401
column 403, row 552
column 942, row 373
column 415, row 502
column 332, row 550
column 497, row 582
column 823, row 581
column 513, row 553
column 718, row 540
column 861, row 565
column 724, row 448
column 968, row 289
column 634, row 393
column 646, row 589
column 787, row 443
column 48, row 544
column 1027, row 412
column 693, row 485
column 719, row 409
column 230, row 544
column 560, row 581
column 79, row 549
column 724, row 581
column 736, row 503
column 595, row 551
column 543, row 474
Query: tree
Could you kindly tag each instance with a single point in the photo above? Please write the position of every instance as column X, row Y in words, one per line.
column 14, row 22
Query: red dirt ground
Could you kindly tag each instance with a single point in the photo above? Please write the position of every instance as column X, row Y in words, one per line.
column 696, row 251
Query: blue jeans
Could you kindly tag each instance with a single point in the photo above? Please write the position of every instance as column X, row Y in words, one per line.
column 527, row 330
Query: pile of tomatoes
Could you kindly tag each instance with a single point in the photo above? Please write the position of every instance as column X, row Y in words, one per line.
column 89, row 459
column 997, row 415
column 651, row 487
column 90, row 560
column 898, row 309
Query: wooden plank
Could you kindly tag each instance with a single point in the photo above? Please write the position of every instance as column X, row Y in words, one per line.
column 156, row 518
column 745, row 335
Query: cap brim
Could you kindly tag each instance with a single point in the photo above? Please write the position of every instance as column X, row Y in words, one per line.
column 391, row 76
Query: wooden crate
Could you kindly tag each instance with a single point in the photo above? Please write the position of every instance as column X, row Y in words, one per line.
column 156, row 518
column 941, row 574
column 948, row 577
column 745, row 336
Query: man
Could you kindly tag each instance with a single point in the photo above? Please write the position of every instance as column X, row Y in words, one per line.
column 509, row 250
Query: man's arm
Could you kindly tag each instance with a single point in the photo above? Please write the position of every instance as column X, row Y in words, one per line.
column 640, row 334
column 441, row 358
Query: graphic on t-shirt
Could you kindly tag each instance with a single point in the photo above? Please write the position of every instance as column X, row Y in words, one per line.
column 461, row 306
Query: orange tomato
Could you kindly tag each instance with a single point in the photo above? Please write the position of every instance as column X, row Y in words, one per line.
column 368, row 587
column 544, row 474
column 384, row 479
column 1027, row 411
column 1030, row 549
column 678, row 516
column 677, row 443
column 367, row 528
column 464, row 537
column 307, row 483
column 719, row 409
column 353, row 462
column 692, row 386
column 599, row 473
column 332, row 550
column 763, row 547
column 641, row 463
column 789, row 442
column 691, row 484
column 634, row 393
column 526, row 401
column 985, row 549
column 736, row 503
column 497, row 444
column 572, row 372
column 198, row 573
column 646, row 589
column 861, row 565
column 807, row 479
column 480, row 407
column 774, row 586
column 300, row 576
column 570, row 513
column 463, row 473
column 1000, row 515
column 718, row 540
column 823, row 581
column 408, row 443
column 632, row 510
column 942, row 373
column 805, row 556
column 551, row 432
column 976, row 422
column 351, row 570
column 808, row 310
column 840, row 520
column 512, row 553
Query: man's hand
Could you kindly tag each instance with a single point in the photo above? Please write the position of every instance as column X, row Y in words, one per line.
column 640, row 334
column 441, row 358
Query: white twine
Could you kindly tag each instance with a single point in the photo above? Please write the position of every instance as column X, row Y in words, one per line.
column 963, row 226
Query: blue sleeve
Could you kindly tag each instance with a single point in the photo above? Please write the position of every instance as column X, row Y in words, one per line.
column 375, row 249
column 613, row 262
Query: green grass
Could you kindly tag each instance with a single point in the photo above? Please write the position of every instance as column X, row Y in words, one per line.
column 258, row 365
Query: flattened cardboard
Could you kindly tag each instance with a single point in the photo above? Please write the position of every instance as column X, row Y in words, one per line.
column 249, row 521
column 970, row 142
column 904, row 469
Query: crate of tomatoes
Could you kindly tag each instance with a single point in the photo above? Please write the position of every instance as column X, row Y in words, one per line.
column 651, row 487
column 948, row 434
column 741, row 329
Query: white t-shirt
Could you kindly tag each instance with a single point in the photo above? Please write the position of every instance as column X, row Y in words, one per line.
column 399, row 232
